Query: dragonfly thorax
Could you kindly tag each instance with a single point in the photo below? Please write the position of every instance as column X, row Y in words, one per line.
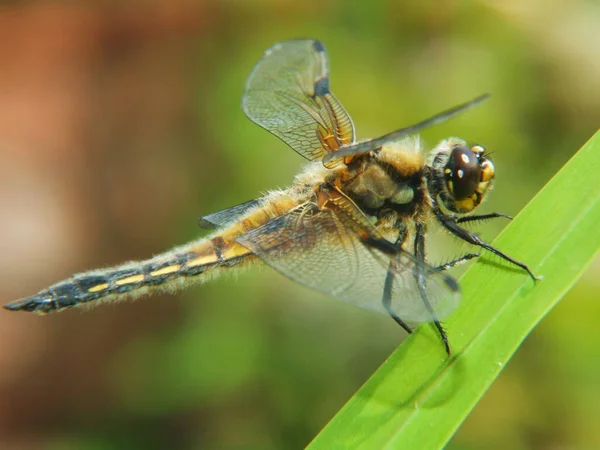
column 380, row 186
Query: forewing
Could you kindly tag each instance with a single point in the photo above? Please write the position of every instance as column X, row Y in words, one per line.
column 361, row 148
column 288, row 94
column 317, row 249
column 228, row 215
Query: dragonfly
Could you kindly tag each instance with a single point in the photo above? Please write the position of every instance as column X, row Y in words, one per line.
column 354, row 222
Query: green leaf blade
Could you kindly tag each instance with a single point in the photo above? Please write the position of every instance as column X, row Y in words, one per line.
column 419, row 397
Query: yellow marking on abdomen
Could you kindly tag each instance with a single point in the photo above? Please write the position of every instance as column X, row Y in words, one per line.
column 166, row 270
column 221, row 251
column 130, row 280
column 99, row 287
column 234, row 251
column 201, row 260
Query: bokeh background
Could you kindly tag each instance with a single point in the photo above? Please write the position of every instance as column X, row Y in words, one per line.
column 120, row 124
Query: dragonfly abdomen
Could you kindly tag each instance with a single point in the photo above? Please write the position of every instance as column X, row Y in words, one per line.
column 166, row 272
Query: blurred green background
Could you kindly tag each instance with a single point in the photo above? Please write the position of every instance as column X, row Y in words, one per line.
column 120, row 124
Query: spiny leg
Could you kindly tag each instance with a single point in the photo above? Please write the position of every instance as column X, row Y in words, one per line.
column 451, row 224
column 482, row 217
column 420, row 278
column 455, row 262
column 387, row 300
column 389, row 282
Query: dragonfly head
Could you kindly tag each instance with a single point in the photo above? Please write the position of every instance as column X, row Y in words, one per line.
column 462, row 175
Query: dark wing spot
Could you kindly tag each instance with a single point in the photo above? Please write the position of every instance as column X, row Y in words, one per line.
column 452, row 284
column 322, row 87
column 318, row 46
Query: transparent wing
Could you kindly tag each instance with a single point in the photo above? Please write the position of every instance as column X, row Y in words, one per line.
column 228, row 215
column 350, row 151
column 318, row 249
column 288, row 94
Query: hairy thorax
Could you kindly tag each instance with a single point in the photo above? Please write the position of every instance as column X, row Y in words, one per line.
column 384, row 187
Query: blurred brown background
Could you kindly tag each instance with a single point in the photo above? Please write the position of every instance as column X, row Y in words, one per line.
column 120, row 125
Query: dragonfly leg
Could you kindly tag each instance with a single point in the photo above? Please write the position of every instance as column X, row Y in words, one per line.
column 389, row 282
column 420, row 277
column 455, row 262
column 482, row 217
column 451, row 224
column 387, row 301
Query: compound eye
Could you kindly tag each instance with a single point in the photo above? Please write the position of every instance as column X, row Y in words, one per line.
column 462, row 172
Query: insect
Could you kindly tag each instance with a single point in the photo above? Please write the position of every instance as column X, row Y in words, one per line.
column 353, row 224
